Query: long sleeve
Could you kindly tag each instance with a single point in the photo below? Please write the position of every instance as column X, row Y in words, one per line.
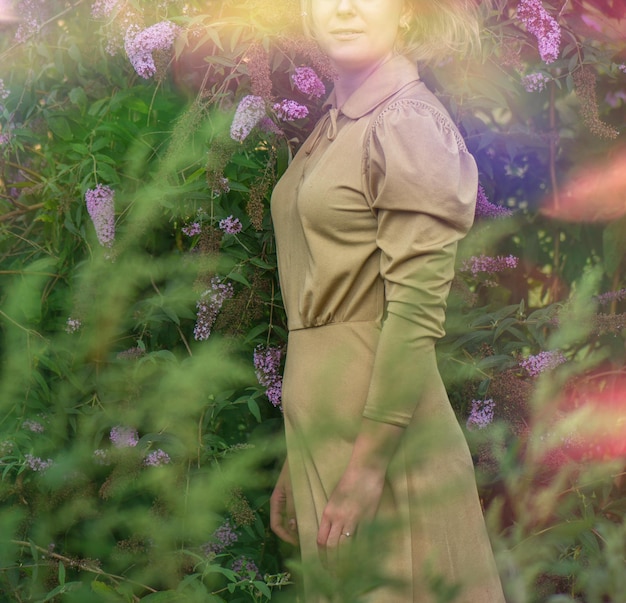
column 421, row 183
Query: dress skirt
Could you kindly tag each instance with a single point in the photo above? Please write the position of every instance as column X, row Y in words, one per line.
column 429, row 537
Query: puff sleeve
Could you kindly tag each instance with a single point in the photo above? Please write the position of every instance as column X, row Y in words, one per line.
column 421, row 183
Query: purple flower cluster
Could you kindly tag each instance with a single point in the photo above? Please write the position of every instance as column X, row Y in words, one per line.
column 31, row 19
column 544, row 361
column 307, row 81
column 131, row 353
column 609, row 296
column 141, row 43
column 5, row 138
column 124, row 437
column 290, row 110
column 231, row 225
column 487, row 264
column 249, row 112
column 535, row 82
column 622, row 67
column 101, row 457
column 101, row 9
column 4, row 92
column 481, row 414
column 486, row 209
column 192, row 229
column 209, row 305
column 157, row 458
column 36, row 463
column 267, row 369
column 73, row 324
column 101, row 208
column 34, row 426
column 244, row 566
column 220, row 540
column 543, row 26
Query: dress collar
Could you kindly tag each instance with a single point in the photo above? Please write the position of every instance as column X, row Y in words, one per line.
column 385, row 81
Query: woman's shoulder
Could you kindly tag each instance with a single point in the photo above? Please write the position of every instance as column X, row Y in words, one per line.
column 415, row 110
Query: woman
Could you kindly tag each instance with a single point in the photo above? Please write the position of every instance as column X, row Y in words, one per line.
column 367, row 219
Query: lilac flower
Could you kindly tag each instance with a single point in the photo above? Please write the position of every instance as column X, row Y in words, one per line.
column 609, row 296
column 5, row 138
column 249, row 112
column 221, row 539
column 544, row 361
column 535, row 82
column 6, row 447
column 192, row 229
column 267, row 125
column 124, row 437
column 615, row 99
column 101, row 457
column 290, row 110
column 101, row 9
column 306, row 80
column 141, row 43
column 488, row 265
column 101, row 208
column 209, row 305
column 231, row 225
column 36, row 463
column 131, row 353
column 244, row 566
column 481, row 414
column 156, row 458
column 543, row 26
column 31, row 19
column 73, row 324
column 4, row 93
column 622, row 67
column 486, row 209
column 267, row 369
column 34, row 426
column 223, row 186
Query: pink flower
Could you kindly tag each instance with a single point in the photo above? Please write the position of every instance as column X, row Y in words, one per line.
column 192, row 229
column 101, row 9
column 267, row 369
column 290, row 110
column 231, row 225
column 481, row 414
column 543, row 26
column 535, row 82
column 486, row 209
column 306, row 80
column 157, row 458
column 209, row 305
column 141, row 43
column 124, row 437
column 249, row 112
column 488, row 265
column 544, row 361
column 101, row 209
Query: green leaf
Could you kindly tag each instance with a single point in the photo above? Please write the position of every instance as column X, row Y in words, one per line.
column 61, row 574
column 614, row 245
column 253, row 407
column 60, row 126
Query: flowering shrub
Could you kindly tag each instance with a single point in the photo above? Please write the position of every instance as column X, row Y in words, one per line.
column 141, row 429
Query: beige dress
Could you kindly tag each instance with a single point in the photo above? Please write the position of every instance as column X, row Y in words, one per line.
column 367, row 219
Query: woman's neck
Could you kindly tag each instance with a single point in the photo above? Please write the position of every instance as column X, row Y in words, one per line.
column 350, row 80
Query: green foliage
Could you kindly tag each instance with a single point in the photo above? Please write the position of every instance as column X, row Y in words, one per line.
column 136, row 459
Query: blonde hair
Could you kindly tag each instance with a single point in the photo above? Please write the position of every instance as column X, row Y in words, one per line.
column 433, row 30
column 439, row 28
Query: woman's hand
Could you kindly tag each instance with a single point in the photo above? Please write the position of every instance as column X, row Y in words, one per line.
column 353, row 502
column 356, row 497
column 282, row 511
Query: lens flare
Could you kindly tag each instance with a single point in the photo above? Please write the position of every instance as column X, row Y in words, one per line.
column 594, row 193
